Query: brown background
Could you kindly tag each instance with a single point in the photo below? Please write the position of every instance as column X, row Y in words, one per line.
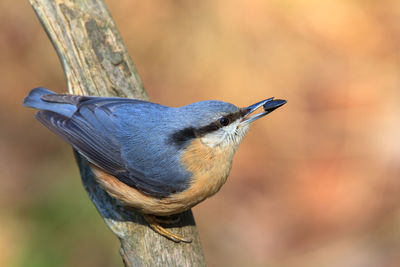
column 316, row 183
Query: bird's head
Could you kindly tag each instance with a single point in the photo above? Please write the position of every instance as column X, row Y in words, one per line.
column 220, row 124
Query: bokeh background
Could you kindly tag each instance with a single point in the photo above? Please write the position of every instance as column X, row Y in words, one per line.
column 316, row 183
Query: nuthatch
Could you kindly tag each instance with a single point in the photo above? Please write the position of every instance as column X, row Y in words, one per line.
column 156, row 159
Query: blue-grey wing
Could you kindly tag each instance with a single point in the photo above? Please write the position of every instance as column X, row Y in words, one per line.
column 117, row 135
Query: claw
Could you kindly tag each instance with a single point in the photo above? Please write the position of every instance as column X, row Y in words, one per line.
column 153, row 222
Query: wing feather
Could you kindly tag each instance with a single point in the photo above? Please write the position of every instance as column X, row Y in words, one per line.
column 94, row 131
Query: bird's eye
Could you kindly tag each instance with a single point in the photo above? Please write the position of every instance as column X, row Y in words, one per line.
column 224, row 121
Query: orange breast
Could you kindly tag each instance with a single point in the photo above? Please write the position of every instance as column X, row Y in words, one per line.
column 210, row 168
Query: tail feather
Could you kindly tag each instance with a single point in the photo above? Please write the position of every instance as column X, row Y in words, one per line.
column 35, row 99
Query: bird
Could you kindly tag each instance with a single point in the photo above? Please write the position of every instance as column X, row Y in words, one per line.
column 155, row 159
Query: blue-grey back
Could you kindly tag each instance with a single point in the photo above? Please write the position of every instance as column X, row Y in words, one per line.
column 143, row 131
column 136, row 141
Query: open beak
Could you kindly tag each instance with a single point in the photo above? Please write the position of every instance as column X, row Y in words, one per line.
column 269, row 105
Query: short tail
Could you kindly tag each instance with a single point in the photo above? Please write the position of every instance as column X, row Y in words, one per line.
column 35, row 100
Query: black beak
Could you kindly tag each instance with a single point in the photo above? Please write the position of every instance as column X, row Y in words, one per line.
column 269, row 105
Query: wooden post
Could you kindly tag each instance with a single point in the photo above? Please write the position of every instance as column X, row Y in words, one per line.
column 96, row 62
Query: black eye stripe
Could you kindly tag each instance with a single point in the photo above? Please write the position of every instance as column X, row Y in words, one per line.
column 181, row 137
column 217, row 124
column 237, row 115
column 207, row 129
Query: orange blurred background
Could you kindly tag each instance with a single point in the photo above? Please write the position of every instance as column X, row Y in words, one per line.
column 316, row 183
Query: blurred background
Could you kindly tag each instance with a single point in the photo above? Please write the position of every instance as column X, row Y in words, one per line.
column 316, row 183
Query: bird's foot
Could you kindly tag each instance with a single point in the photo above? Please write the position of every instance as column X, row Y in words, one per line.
column 154, row 223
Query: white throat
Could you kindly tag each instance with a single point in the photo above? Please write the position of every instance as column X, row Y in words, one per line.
column 230, row 135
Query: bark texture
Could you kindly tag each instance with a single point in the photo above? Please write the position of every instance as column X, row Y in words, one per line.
column 96, row 62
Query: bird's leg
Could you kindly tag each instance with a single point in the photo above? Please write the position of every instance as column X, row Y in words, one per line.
column 154, row 224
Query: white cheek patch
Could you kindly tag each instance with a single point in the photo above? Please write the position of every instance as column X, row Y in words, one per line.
column 230, row 135
column 214, row 138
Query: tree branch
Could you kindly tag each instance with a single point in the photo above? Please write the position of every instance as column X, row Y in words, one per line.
column 96, row 62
